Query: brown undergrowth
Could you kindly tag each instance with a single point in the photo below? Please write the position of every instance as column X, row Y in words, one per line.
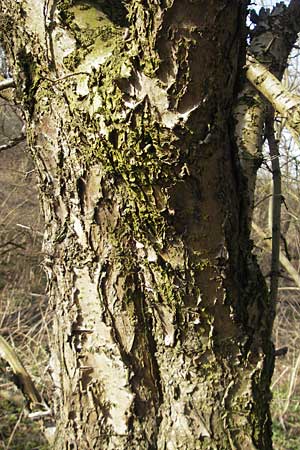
column 24, row 315
column 286, row 378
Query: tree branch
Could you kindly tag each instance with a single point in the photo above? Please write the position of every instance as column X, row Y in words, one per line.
column 6, row 84
column 272, row 40
column 276, row 204
column 21, row 377
column 283, row 259
column 286, row 103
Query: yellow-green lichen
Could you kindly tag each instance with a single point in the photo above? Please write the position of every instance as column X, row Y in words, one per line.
column 95, row 34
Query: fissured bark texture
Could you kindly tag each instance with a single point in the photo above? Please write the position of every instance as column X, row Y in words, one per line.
column 162, row 324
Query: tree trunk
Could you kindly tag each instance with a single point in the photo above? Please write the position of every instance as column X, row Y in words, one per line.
column 271, row 42
column 162, row 322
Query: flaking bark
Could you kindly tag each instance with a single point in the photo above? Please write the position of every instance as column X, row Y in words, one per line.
column 162, row 324
column 272, row 39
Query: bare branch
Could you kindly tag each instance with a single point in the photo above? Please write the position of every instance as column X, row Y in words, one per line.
column 276, row 204
column 283, row 260
column 22, row 378
column 286, row 103
column 6, row 84
column 272, row 40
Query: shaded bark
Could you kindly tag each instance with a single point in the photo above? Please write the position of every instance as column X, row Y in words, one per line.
column 162, row 331
column 275, row 205
column 272, row 39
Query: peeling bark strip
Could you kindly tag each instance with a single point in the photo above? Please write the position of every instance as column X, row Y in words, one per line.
column 162, row 330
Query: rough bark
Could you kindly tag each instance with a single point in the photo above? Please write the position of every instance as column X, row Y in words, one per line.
column 275, row 205
column 271, row 41
column 162, row 324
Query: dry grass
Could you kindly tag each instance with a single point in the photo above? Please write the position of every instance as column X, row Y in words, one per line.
column 24, row 316
column 286, row 380
column 24, row 324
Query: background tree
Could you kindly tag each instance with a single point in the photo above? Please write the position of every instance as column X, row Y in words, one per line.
column 162, row 319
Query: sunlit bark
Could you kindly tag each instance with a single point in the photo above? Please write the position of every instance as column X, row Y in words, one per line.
column 162, row 324
column 272, row 39
column 286, row 103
